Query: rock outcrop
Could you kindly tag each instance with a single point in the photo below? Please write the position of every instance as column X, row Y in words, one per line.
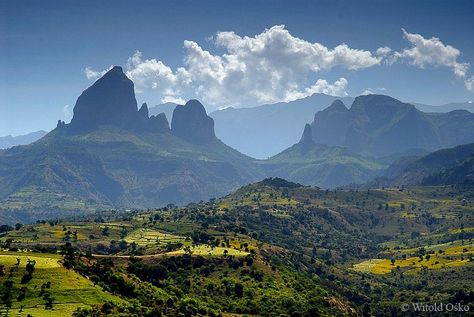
column 109, row 101
column 158, row 124
column 192, row 123
column 307, row 137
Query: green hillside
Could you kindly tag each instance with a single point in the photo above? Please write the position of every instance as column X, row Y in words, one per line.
column 270, row 248
column 321, row 165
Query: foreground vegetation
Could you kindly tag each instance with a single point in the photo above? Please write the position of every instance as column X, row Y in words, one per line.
column 271, row 248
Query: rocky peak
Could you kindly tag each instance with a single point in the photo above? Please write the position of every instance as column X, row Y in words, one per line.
column 143, row 112
column 338, row 105
column 158, row 123
column 109, row 101
column 307, row 137
column 192, row 123
column 379, row 103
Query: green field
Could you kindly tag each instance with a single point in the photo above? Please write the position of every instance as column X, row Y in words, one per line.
column 68, row 289
column 145, row 237
column 206, row 250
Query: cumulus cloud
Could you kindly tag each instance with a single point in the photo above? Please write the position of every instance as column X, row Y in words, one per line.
column 67, row 112
column 372, row 91
column 470, row 83
column 94, row 74
column 383, row 51
column 269, row 67
column 431, row 52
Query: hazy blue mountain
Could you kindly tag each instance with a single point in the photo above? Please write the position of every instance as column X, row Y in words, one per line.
column 112, row 154
column 166, row 108
column 309, row 163
column 9, row 141
column 443, row 167
column 379, row 126
column 191, row 123
column 266, row 130
column 469, row 106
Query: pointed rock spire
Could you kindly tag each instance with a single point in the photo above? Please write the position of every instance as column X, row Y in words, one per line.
column 158, row 123
column 307, row 137
column 109, row 101
column 143, row 112
column 192, row 123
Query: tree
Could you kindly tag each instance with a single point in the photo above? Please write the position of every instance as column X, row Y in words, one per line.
column 105, row 231
column 239, row 290
column 30, row 266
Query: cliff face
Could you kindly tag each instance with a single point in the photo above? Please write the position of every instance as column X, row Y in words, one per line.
column 190, row 122
column 109, row 101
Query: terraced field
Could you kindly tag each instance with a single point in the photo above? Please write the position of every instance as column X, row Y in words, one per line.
column 67, row 289
column 439, row 256
column 145, row 237
column 206, row 250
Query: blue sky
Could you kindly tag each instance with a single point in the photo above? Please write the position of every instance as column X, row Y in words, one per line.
column 45, row 48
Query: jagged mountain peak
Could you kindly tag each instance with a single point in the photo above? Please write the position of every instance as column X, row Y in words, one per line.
column 143, row 112
column 192, row 123
column 307, row 137
column 109, row 101
column 337, row 105
column 373, row 103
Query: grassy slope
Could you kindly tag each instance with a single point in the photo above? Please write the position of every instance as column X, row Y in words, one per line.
column 68, row 289
column 286, row 227
column 322, row 165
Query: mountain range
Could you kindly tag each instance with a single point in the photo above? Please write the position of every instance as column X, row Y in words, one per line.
column 10, row 141
column 114, row 154
column 264, row 131
column 452, row 166
column 378, row 125
column 469, row 106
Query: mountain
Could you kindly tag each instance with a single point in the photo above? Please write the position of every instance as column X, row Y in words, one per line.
column 166, row 108
column 443, row 167
column 10, row 141
column 321, row 165
column 112, row 154
column 469, row 106
column 191, row 123
column 266, row 130
column 378, row 125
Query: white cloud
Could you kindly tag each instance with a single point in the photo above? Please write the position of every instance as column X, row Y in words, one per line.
column 372, row 91
column 470, row 83
column 93, row 74
column 431, row 52
column 153, row 74
column 383, row 51
column 176, row 100
column 270, row 67
column 338, row 88
column 67, row 112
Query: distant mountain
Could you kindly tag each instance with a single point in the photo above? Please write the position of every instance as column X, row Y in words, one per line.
column 9, row 141
column 112, row 154
column 166, row 108
column 469, row 106
column 446, row 166
column 266, row 130
column 378, row 125
column 321, row 165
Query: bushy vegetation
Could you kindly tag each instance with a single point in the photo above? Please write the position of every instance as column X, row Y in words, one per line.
column 271, row 248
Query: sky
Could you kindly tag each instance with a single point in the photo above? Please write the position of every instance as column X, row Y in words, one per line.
column 230, row 53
